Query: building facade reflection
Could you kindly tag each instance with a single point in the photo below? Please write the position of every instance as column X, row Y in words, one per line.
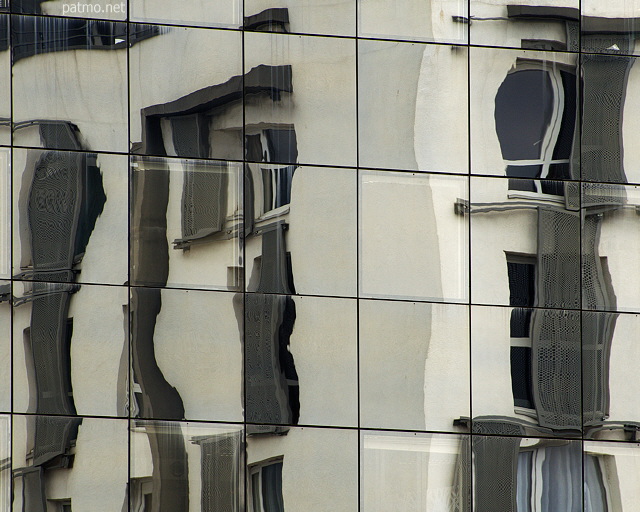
column 347, row 255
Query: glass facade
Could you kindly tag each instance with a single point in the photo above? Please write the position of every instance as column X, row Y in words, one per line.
column 346, row 255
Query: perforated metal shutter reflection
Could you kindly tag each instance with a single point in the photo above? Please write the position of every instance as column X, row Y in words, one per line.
column 605, row 81
column 495, row 478
column 221, row 472
column 190, row 136
column 267, row 391
column 204, row 200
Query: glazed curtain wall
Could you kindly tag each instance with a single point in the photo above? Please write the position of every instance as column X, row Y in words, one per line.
column 319, row 255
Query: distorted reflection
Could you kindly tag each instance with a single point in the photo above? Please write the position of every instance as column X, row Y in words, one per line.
column 47, row 481
column 5, row 77
column 609, row 476
column 415, row 472
column 279, row 477
column 527, row 475
column 428, row 20
column 84, row 109
column 5, row 462
column 185, row 466
column 433, row 264
column 62, row 198
column 287, row 104
column 5, row 346
column 210, row 353
column 186, row 223
column 428, row 111
column 540, row 366
column 422, row 383
column 558, row 26
column 107, row 9
column 214, row 13
column 331, row 17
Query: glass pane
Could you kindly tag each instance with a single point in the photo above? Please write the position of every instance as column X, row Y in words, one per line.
column 300, row 360
column 186, row 466
column 192, row 109
column 301, row 16
column 319, row 467
column 506, row 467
column 186, row 223
column 89, row 456
column 68, row 87
column 414, row 365
column 305, row 87
column 219, row 13
column 414, row 472
column 426, row 259
column 610, row 476
column 411, row 117
column 69, row 358
column 610, row 239
column 524, row 108
column 552, row 26
column 429, row 20
column 5, row 80
column 301, row 229
column 541, row 232
column 70, row 217
column 102, row 9
column 609, row 388
column 526, row 385
column 610, row 101
column 610, row 28
column 5, row 346
column 201, row 376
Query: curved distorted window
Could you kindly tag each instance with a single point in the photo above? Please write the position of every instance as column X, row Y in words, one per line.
column 535, row 114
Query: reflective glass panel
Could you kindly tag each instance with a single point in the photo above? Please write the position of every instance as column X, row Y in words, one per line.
column 524, row 474
column 549, row 25
column 5, row 212
column 413, row 237
column 217, row 13
column 300, row 225
column 414, row 472
column 410, row 116
column 300, row 360
column 610, row 27
column 192, row 108
column 5, row 346
column 186, row 354
column 301, row 16
column 610, row 476
column 100, row 9
column 534, row 256
column 524, row 109
column 5, row 80
column 526, row 371
column 70, row 216
column 610, row 394
column 186, row 466
column 186, row 223
column 302, row 468
column 89, row 456
column 428, row 20
column 70, row 349
column 609, row 242
column 300, row 99
column 414, row 365
column 611, row 99
column 69, row 85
